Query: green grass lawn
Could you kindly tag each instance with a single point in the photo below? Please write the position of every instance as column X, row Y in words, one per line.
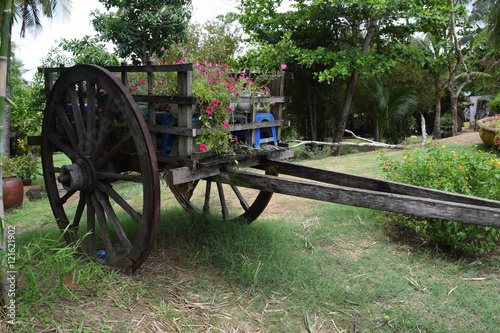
column 302, row 267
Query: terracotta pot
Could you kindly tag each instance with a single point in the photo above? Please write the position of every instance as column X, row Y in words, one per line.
column 13, row 192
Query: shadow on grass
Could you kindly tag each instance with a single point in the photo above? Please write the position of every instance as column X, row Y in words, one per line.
column 264, row 257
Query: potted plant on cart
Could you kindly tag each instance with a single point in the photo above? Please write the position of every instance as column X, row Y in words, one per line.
column 489, row 131
column 218, row 88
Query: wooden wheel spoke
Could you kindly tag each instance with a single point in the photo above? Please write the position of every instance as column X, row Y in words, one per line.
column 103, row 227
column 68, row 128
column 76, row 108
column 56, row 140
column 66, row 197
column 206, row 203
column 110, row 192
column 105, row 127
column 91, row 117
column 90, row 226
column 79, row 211
column 222, row 198
column 241, row 198
column 115, row 150
column 115, row 222
column 251, row 202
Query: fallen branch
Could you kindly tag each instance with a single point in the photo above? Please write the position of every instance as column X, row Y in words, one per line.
column 368, row 143
column 355, row 144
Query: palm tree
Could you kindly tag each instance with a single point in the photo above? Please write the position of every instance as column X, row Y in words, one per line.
column 391, row 111
column 436, row 68
column 29, row 12
column 494, row 23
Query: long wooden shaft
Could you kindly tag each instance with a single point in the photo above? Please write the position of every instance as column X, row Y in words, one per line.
column 391, row 202
column 373, row 184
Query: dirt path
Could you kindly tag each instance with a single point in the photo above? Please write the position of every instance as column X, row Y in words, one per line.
column 464, row 138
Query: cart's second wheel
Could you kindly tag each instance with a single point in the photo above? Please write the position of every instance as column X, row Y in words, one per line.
column 106, row 189
column 214, row 197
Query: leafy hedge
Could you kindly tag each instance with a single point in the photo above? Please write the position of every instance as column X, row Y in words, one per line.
column 476, row 174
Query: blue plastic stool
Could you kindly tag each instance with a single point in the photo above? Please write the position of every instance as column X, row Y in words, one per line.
column 258, row 140
column 167, row 141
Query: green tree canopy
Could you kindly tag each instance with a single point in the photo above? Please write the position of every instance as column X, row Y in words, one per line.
column 216, row 41
column 142, row 29
column 338, row 40
column 88, row 50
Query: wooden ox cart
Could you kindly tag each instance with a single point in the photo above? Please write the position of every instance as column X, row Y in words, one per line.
column 109, row 186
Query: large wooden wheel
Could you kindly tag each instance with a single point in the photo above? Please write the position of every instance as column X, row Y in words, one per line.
column 229, row 202
column 106, row 192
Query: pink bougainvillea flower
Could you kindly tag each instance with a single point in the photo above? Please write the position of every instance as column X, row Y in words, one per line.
column 232, row 79
column 143, row 82
column 283, row 66
column 209, row 110
column 230, row 110
column 133, row 88
column 226, row 125
column 230, row 86
column 266, row 88
column 160, row 81
column 162, row 49
column 168, row 108
column 215, row 103
column 235, row 138
column 212, row 80
column 250, row 82
column 99, row 110
column 203, row 147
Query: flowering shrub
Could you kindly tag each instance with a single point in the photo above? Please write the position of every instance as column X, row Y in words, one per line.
column 215, row 87
column 473, row 174
column 24, row 167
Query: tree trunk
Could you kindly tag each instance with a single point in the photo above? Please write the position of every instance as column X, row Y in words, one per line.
column 344, row 115
column 376, row 131
column 436, row 131
column 453, row 72
column 351, row 84
column 454, row 112
column 312, row 118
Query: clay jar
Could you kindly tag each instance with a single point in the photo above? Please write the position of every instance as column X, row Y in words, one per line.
column 13, row 192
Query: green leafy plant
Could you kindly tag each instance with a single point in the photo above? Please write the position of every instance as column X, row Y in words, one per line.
column 24, row 167
column 475, row 174
column 446, row 125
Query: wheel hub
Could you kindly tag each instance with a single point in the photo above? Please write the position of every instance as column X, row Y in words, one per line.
column 79, row 176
